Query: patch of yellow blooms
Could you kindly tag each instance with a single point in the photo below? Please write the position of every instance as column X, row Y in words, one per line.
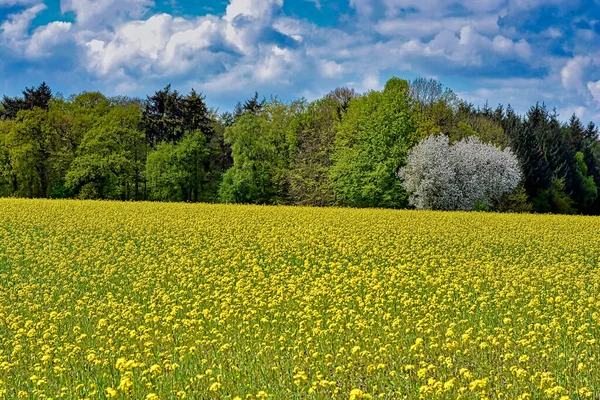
column 176, row 301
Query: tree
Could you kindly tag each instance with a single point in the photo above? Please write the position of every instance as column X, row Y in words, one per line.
column 164, row 116
column 196, row 115
column 32, row 148
column 587, row 186
column 69, row 121
column 484, row 124
column 342, row 97
column 37, row 97
column 32, row 97
column 371, row 144
column 262, row 146
column 110, row 159
column 252, row 106
column 540, row 147
column 462, row 176
column 434, row 106
column 310, row 183
column 177, row 172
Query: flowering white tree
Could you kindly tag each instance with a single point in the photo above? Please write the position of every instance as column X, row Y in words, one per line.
column 440, row 176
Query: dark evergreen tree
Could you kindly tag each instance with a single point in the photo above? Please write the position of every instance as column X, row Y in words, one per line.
column 252, row 106
column 32, row 97
column 163, row 116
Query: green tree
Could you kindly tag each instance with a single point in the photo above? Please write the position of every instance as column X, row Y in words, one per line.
column 32, row 148
column 371, row 145
column 434, row 107
column 177, row 172
column 587, row 186
column 310, row 183
column 110, row 161
column 262, row 145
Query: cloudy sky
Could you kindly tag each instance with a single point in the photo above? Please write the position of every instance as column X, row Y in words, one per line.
column 508, row 51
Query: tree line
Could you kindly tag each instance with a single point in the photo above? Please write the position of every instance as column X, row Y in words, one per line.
column 345, row 149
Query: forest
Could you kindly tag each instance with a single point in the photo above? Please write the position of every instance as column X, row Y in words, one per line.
column 346, row 149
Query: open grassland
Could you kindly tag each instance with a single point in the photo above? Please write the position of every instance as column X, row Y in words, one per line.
column 147, row 301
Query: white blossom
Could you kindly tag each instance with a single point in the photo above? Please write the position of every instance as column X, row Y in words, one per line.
column 440, row 176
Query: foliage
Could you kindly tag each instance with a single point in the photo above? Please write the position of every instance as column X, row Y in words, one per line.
column 262, row 145
column 176, row 172
column 168, row 116
column 309, row 181
column 516, row 202
column 434, row 106
column 343, row 149
column 464, row 176
column 588, row 187
column 32, row 97
column 110, row 159
column 371, row 144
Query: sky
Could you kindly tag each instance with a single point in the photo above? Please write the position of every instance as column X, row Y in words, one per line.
column 516, row 52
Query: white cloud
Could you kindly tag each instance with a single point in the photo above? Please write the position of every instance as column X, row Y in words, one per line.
column 370, row 82
column 594, row 89
column 468, row 48
column 362, row 7
column 252, row 45
column 330, row 69
column 255, row 9
column 96, row 12
column 317, row 3
column 572, row 73
column 522, row 5
column 553, row 33
column 16, row 26
column 275, row 65
column 579, row 111
column 440, row 7
column 246, row 19
column 142, row 44
column 46, row 37
column 15, row 34
column 163, row 45
column 12, row 3
column 420, row 26
column 125, row 88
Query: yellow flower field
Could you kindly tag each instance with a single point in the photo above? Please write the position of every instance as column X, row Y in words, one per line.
column 171, row 301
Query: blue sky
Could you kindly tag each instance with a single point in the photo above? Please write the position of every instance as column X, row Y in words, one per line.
column 500, row 51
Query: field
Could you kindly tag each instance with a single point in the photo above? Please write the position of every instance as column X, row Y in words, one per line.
column 146, row 301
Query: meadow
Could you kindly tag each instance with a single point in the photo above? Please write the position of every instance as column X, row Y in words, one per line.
column 171, row 301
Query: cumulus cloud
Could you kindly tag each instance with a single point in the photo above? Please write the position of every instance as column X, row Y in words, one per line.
column 468, row 47
column 126, row 45
column 12, row 3
column 362, row 7
column 163, row 45
column 45, row 38
column 151, row 46
column 16, row 26
column 440, row 7
column 572, row 73
column 97, row 12
column 594, row 89
column 330, row 69
column 418, row 26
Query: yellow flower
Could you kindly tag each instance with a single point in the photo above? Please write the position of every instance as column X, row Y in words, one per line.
column 356, row 394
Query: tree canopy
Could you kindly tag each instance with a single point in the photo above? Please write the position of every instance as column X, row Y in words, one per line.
column 344, row 149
